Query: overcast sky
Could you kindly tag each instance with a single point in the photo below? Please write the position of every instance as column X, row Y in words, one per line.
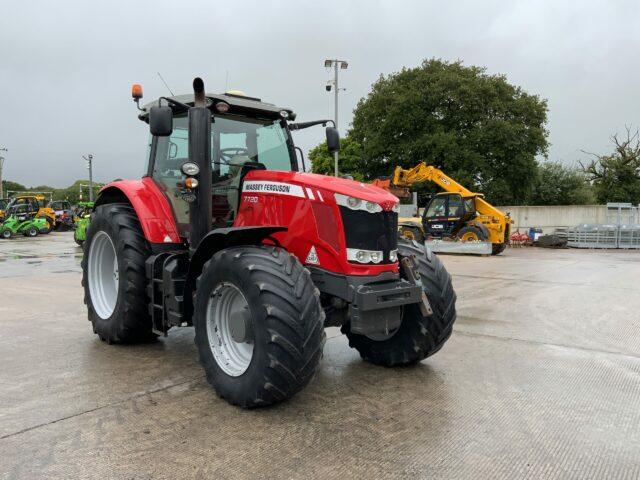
column 66, row 68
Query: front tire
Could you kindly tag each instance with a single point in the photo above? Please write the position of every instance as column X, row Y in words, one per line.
column 113, row 275
column 263, row 343
column 6, row 233
column 418, row 337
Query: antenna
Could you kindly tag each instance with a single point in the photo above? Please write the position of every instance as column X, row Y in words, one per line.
column 165, row 84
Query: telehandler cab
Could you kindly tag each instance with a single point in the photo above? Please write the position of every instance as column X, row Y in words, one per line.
column 224, row 234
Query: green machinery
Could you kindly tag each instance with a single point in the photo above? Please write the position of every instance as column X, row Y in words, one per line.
column 19, row 220
column 82, row 220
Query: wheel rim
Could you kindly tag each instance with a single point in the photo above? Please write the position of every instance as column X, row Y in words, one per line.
column 232, row 357
column 6, row 234
column 103, row 275
column 469, row 237
column 408, row 234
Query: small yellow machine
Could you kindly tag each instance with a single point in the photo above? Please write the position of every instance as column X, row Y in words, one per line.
column 36, row 203
column 457, row 213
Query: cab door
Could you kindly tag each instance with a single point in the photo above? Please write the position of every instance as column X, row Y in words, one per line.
column 435, row 220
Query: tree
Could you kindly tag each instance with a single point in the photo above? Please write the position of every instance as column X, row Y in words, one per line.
column 616, row 177
column 9, row 186
column 560, row 185
column 478, row 128
column 351, row 159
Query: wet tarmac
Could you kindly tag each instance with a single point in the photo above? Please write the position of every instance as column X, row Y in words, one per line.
column 541, row 379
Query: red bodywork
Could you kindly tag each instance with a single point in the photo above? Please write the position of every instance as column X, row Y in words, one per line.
column 302, row 202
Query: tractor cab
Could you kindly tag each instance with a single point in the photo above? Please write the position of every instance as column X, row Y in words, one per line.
column 246, row 134
column 446, row 213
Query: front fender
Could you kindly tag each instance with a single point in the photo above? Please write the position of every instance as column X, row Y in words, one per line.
column 151, row 206
column 213, row 242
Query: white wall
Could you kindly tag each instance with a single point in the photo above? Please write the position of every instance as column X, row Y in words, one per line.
column 551, row 217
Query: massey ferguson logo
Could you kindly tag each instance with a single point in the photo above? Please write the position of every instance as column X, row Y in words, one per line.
column 268, row 187
column 279, row 188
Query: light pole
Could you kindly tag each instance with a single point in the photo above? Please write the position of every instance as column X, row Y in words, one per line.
column 89, row 159
column 328, row 63
column 1, row 165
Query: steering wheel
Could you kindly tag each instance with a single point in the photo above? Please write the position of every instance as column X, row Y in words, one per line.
column 226, row 154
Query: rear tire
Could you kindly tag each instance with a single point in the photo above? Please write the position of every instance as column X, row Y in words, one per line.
column 50, row 226
column 418, row 337
column 121, row 316
column 498, row 248
column 32, row 232
column 283, row 315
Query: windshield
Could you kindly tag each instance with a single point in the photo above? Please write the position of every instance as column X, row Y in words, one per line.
column 235, row 140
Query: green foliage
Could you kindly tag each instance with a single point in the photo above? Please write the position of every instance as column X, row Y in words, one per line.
column 560, row 185
column 616, row 177
column 8, row 185
column 350, row 159
column 478, row 128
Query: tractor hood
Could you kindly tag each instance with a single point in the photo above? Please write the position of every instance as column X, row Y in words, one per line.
column 363, row 191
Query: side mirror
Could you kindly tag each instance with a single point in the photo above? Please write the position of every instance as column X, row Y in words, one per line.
column 333, row 139
column 161, row 121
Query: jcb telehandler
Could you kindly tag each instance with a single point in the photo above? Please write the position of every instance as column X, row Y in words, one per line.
column 223, row 233
column 456, row 213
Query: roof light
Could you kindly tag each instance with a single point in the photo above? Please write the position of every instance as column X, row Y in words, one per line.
column 136, row 91
column 284, row 114
column 222, row 107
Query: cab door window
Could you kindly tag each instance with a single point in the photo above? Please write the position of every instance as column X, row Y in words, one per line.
column 456, row 207
column 437, row 207
column 170, row 153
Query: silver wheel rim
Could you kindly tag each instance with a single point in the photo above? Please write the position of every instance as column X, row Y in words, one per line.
column 231, row 356
column 103, row 275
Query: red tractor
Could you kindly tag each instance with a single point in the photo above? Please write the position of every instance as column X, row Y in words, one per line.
column 224, row 234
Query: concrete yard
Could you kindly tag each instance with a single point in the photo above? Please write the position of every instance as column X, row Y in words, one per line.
column 541, row 379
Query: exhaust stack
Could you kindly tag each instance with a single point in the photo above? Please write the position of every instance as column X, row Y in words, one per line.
column 200, row 153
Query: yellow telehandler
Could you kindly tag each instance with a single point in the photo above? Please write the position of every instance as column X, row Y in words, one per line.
column 457, row 213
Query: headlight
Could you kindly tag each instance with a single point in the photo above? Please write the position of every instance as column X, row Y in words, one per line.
column 353, row 202
column 363, row 256
column 376, row 257
column 357, row 203
column 395, row 208
column 393, row 255
column 372, row 207
column 190, row 168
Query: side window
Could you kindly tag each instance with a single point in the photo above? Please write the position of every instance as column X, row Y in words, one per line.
column 273, row 147
column 437, row 207
column 455, row 206
column 171, row 152
column 470, row 205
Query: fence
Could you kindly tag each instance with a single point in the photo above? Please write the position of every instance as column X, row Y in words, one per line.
column 622, row 230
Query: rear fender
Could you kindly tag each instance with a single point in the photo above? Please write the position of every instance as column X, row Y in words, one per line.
column 212, row 243
column 150, row 204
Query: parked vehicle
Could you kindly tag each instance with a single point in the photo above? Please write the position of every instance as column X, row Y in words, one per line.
column 36, row 203
column 64, row 214
column 21, row 220
column 224, row 234
column 82, row 219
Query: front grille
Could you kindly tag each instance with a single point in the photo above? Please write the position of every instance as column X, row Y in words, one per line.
column 370, row 231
